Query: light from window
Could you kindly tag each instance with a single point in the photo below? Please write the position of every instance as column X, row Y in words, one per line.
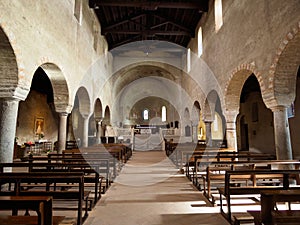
column 218, row 14
column 188, row 60
column 78, row 10
column 164, row 114
column 216, row 123
column 200, row 47
column 146, row 114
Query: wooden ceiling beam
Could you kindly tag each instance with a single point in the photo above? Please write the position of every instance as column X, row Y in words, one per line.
column 146, row 32
column 169, row 20
column 200, row 5
column 124, row 20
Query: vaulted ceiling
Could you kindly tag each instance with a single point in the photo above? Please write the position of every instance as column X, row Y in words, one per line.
column 125, row 21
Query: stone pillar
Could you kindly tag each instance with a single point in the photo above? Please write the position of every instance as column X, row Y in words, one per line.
column 62, row 131
column 231, row 135
column 208, row 135
column 231, row 129
column 8, row 122
column 282, row 133
column 195, row 131
column 99, row 130
column 85, row 133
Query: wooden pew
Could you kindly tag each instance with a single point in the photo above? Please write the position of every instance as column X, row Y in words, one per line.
column 30, row 220
column 204, row 159
column 215, row 172
column 94, row 173
column 18, row 182
column 42, row 205
column 269, row 198
column 92, row 154
column 252, row 182
column 104, row 163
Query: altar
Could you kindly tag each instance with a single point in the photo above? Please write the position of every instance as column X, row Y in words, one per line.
column 146, row 129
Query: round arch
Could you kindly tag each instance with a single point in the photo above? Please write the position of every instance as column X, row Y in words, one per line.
column 11, row 72
column 284, row 68
column 235, row 84
column 98, row 114
column 60, row 87
column 84, row 101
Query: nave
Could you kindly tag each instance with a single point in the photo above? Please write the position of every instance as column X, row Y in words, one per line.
column 150, row 191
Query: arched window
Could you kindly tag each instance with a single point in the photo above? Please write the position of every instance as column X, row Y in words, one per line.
column 146, row 114
column 218, row 14
column 78, row 11
column 188, row 60
column 163, row 114
column 200, row 46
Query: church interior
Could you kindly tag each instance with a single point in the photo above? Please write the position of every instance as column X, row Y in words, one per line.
column 149, row 112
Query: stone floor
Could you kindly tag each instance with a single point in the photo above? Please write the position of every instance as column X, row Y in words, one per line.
column 150, row 191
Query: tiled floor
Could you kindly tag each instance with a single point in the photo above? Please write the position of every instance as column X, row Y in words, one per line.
column 150, row 191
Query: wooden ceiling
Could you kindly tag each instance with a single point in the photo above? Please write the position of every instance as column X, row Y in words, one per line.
column 125, row 21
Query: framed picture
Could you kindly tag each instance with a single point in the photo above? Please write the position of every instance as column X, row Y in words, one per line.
column 39, row 124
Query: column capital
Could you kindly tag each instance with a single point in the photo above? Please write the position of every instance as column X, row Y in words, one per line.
column 18, row 93
column 231, row 115
column 62, row 108
column 63, row 113
column 279, row 108
column 10, row 99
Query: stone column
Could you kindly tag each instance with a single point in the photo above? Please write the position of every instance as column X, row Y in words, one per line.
column 231, row 135
column 99, row 130
column 208, row 135
column 195, row 131
column 8, row 122
column 62, row 131
column 231, row 129
column 85, row 138
column 282, row 133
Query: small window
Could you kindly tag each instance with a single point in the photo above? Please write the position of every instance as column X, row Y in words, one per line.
column 200, row 46
column 146, row 114
column 218, row 14
column 78, row 10
column 164, row 114
column 188, row 60
column 216, row 123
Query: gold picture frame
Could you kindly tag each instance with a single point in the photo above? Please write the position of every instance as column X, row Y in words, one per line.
column 39, row 125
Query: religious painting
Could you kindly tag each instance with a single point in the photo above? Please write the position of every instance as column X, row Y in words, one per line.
column 39, row 125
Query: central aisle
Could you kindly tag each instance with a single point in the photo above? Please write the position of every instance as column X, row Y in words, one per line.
column 149, row 191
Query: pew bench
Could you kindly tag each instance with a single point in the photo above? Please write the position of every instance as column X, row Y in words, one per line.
column 29, row 220
column 214, row 176
column 42, row 205
column 288, row 217
column 270, row 215
column 107, row 165
column 92, row 178
column 254, row 184
column 78, row 194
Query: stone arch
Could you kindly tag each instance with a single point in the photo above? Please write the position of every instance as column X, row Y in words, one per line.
column 106, row 120
column 98, row 114
column 283, row 70
column 187, row 122
column 12, row 82
column 210, row 105
column 60, row 87
column 196, row 111
column 235, row 84
column 84, row 101
column 186, row 114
